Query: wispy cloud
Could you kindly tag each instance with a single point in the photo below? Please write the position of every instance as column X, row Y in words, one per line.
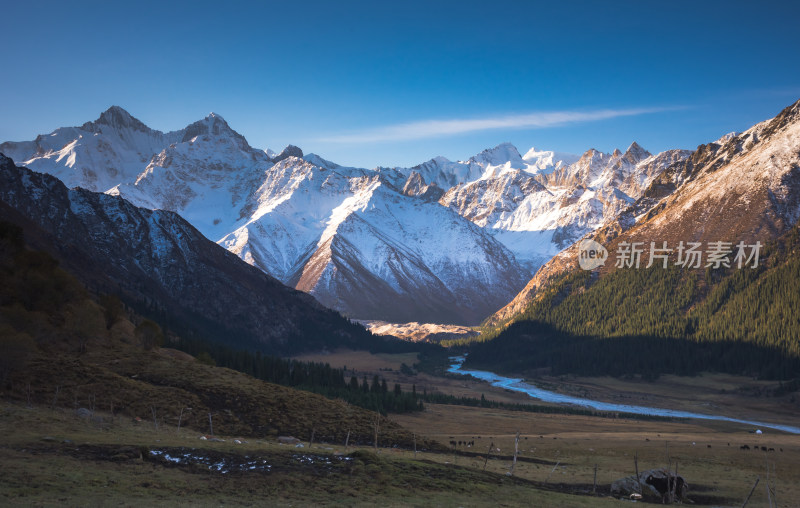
column 440, row 128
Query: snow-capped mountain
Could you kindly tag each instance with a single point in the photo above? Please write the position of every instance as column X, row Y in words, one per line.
column 156, row 260
column 349, row 236
column 743, row 187
column 98, row 155
column 545, row 161
column 354, row 240
column 446, row 174
column 444, row 241
column 387, row 254
column 207, row 177
column 537, row 214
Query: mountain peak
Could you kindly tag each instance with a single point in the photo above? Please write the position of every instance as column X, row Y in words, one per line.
column 591, row 154
column 289, row 151
column 213, row 125
column 637, row 152
column 313, row 159
column 535, row 153
column 545, row 162
column 439, row 160
column 117, row 117
column 215, row 117
column 499, row 155
column 789, row 116
column 115, row 110
column 724, row 139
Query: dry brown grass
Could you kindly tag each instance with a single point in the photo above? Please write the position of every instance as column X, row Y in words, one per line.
column 360, row 363
column 123, row 378
column 51, row 458
column 720, row 394
column 734, row 396
column 721, row 474
column 722, row 471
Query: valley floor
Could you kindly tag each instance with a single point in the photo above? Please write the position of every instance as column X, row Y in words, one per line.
column 708, row 453
column 718, row 394
column 53, row 458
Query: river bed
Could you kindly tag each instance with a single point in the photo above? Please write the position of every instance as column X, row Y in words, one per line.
column 518, row 385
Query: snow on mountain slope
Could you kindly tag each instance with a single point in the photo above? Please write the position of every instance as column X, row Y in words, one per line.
column 297, row 216
column 545, row 161
column 747, row 188
column 430, row 261
column 292, row 209
column 743, row 187
column 98, row 155
column 446, row 173
column 354, row 241
column 493, row 161
column 374, row 243
column 206, row 177
column 538, row 214
column 157, row 257
column 504, row 154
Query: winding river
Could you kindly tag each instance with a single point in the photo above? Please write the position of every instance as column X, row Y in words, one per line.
column 518, row 385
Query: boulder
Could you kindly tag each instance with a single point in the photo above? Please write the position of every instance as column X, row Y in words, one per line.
column 654, row 483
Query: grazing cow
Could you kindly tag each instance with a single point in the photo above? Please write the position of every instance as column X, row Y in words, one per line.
column 763, row 448
column 662, row 485
column 745, row 447
column 771, row 450
column 709, row 446
column 659, row 483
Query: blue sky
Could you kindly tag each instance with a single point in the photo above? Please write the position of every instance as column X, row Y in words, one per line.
column 396, row 83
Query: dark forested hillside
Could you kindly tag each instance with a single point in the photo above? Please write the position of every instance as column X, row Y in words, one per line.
column 655, row 321
column 373, row 394
column 62, row 346
column 161, row 266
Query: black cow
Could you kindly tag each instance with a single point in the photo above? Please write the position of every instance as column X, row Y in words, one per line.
column 663, row 485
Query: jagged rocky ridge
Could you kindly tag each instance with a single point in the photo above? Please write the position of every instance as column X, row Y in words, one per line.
column 446, row 242
column 742, row 187
column 159, row 263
